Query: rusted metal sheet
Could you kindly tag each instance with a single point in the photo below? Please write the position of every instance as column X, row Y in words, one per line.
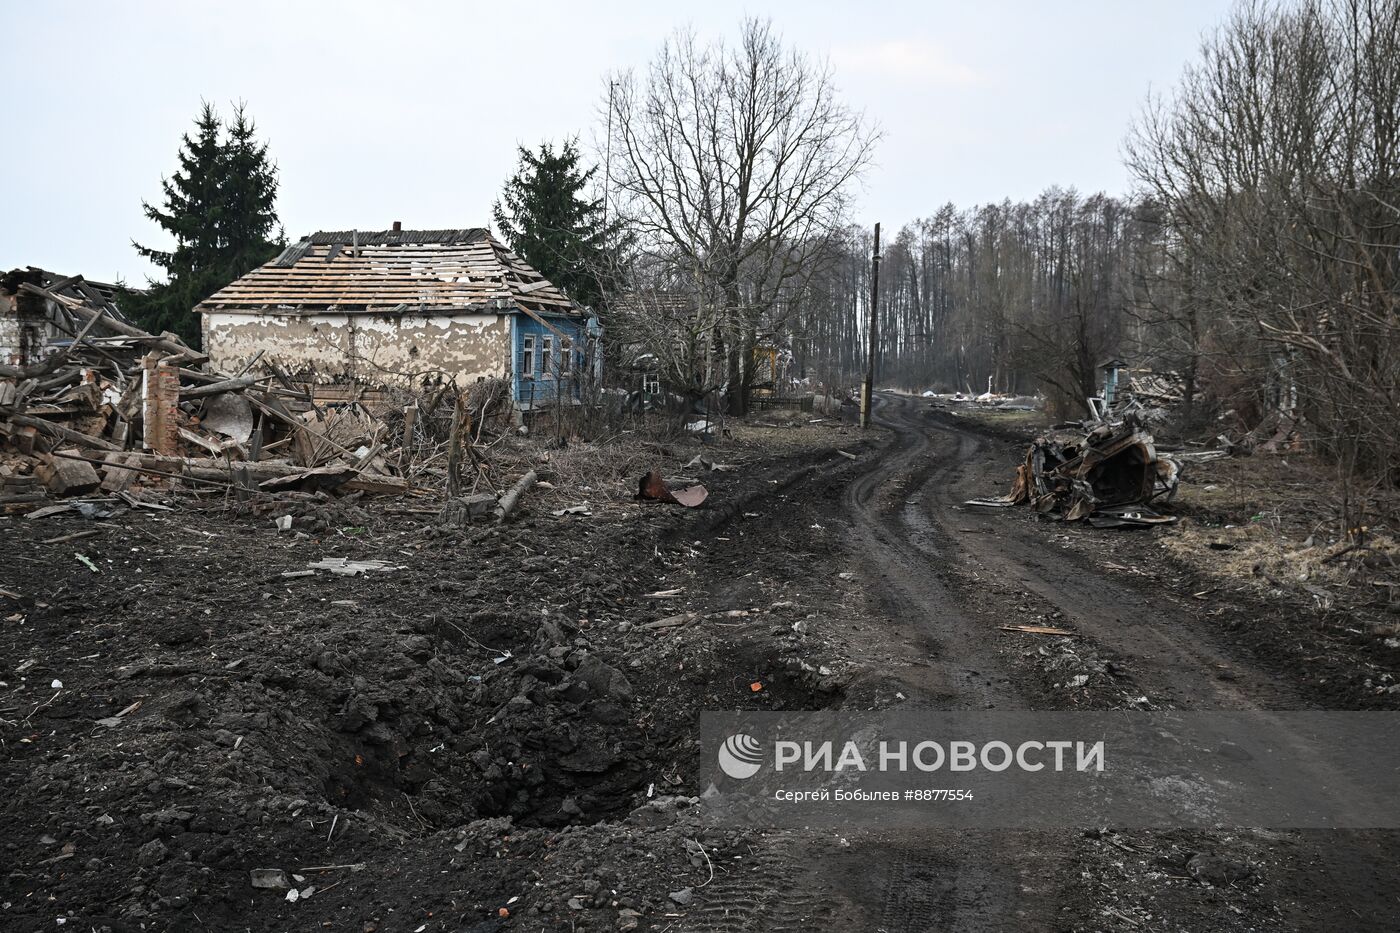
column 653, row 486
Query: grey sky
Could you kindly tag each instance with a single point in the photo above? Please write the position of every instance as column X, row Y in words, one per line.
column 379, row 112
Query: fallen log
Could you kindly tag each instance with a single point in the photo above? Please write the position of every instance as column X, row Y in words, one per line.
column 66, row 434
column 376, row 484
column 220, row 472
column 512, row 497
column 236, row 384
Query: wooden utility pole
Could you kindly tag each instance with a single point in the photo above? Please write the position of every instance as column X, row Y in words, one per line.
column 867, row 392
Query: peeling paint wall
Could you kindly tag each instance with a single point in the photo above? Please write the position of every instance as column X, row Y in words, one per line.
column 372, row 348
column 26, row 327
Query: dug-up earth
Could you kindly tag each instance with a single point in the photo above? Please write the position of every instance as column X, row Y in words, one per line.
column 496, row 728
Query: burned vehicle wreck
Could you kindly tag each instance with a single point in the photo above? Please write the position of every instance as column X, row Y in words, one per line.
column 1106, row 473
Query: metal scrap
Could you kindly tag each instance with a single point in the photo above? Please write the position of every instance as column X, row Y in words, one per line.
column 1106, row 472
column 653, row 486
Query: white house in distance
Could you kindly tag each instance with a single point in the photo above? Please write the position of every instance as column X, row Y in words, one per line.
column 404, row 308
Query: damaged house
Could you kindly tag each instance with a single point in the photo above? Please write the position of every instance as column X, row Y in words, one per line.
column 33, row 325
column 405, row 308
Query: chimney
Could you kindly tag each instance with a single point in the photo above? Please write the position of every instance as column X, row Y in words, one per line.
column 398, row 226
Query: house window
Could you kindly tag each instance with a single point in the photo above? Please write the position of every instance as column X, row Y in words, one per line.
column 527, row 356
column 566, row 359
column 651, row 384
column 547, row 355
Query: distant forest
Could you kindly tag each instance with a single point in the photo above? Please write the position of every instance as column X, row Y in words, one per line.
column 1258, row 257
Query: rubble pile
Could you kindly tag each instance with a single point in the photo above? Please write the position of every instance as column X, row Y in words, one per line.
column 113, row 410
column 1153, row 398
column 1105, row 472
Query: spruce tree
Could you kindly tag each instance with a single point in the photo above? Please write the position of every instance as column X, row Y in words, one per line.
column 219, row 207
column 547, row 217
column 248, row 218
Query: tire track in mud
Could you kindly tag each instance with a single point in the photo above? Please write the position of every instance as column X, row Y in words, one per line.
column 930, row 880
column 1168, row 648
column 914, row 880
column 941, row 578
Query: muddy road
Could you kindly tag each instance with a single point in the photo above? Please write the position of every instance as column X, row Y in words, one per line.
column 500, row 732
column 931, row 583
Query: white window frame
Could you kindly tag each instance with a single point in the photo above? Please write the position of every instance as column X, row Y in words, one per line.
column 547, row 355
column 527, row 356
column 566, row 359
column 651, row 384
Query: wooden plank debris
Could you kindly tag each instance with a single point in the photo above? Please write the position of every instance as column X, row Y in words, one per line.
column 1037, row 630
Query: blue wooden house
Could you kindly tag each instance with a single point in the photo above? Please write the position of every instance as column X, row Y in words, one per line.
column 553, row 355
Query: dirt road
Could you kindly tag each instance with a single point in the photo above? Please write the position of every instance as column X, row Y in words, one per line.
column 499, row 733
column 933, row 582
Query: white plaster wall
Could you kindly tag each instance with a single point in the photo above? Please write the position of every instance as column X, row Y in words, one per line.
column 376, row 349
column 26, row 327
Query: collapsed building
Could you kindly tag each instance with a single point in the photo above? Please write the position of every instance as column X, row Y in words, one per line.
column 405, row 308
column 32, row 323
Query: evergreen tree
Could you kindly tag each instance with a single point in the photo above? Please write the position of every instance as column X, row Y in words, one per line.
column 219, row 207
column 546, row 216
column 249, row 197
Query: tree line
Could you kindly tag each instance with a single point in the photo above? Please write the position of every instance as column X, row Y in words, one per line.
column 1257, row 257
column 1020, row 297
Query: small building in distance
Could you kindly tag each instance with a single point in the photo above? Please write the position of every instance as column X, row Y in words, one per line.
column 404, row 308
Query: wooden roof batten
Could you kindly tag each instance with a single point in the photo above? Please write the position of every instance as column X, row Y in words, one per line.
column 422, row 272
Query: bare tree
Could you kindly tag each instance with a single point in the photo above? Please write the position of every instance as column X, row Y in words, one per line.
column 732, row 167
column 1277, row 163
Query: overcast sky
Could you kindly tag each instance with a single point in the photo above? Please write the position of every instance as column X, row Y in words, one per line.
column 378, row 112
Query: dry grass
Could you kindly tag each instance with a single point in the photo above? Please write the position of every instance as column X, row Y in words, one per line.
column 1261, row 557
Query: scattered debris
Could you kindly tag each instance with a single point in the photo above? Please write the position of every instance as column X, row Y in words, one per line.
column 102, row 404
column 464, row 510
column 670, row 622
column 351, row 568
column 112, row 722
column 1036, row 630
column 1215, row 870
column 75, row 536
column 1106, row 473
column 653, row 486
column 272, row 878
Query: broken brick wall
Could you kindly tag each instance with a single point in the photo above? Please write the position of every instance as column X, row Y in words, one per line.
column 160, row 404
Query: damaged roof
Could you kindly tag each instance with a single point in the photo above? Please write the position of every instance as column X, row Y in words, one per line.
column 99, row 294
column 393, row 272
